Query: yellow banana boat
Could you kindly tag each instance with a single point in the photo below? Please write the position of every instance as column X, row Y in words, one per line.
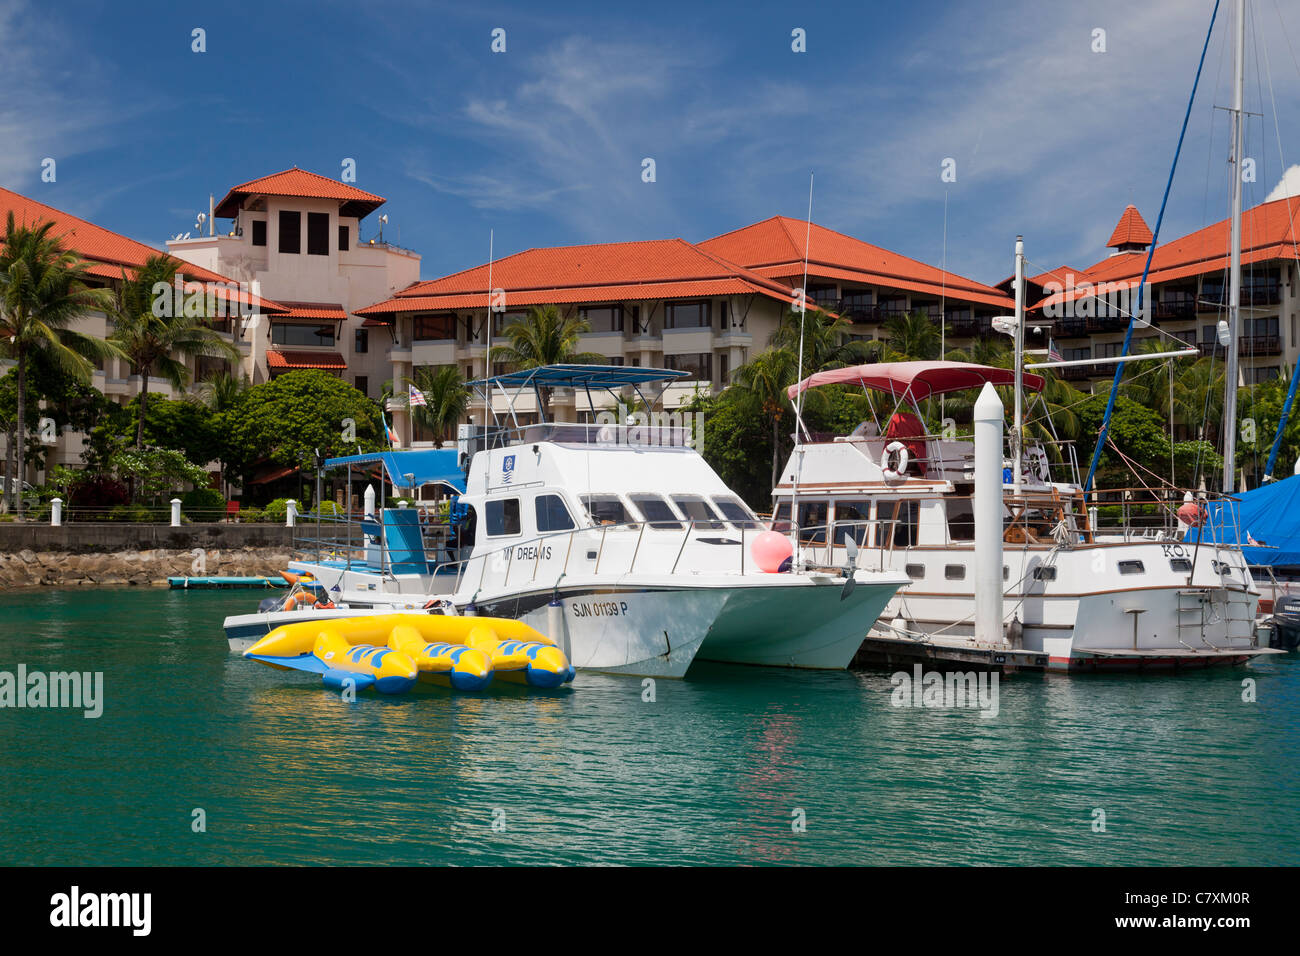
column 391, row 652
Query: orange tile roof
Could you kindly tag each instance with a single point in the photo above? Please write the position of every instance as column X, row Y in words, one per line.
column 314, row 310
column 775, row 248
column 607, row 272
column 1268, row 232
column 1131, row 229
column 296, row 358
column 108, row 253
column 304, row 185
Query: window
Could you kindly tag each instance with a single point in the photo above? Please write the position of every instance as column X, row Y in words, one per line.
column 363, row 384
column 687, row 315
column 344, row 235
column 1108, row 349
column 734, row 510
column 502, row 319
column 1044, row 574
column 893, row 305
column 856, row 304
column 696, row 509
column 289, row 333
column 606, row 509
column 551, row 514
column 1180, row 565
column 781, row 517
column 1131, row 567
column 362, row 344
column 824, row 294
column 961, row 519
column 900, row 516
column 435, row 327
column 724, row 368
column 954, row 572
column 1255, row 376
column 812, row 521
column 915, row 571
column 503, row 516
column 656, row 511
column 259, row 232
column 290, row 232
column 699, row 365
column 604, row 318
column 851, row 521
column 318, row 234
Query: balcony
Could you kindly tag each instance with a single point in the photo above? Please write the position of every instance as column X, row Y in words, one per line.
column 1072, row 328
column 1173, row 311
column 1246, row 345
column 1109, row 323
column 963, row 326
column 1079, row 373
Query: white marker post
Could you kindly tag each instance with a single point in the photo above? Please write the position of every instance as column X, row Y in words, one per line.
column 176, row 512
column 368, row 507
column 56, row 512
column 988, row 517
column 290, row 512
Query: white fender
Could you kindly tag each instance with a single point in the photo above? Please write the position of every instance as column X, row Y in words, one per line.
column 897, row 472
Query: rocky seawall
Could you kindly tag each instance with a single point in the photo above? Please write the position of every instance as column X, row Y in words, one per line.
column 151, row 566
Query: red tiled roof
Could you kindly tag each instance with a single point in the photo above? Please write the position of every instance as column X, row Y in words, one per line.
column 296, row 358
column 108, row 253
column 1131, row 230
column 775, row 248
column 1268, row 232
column 304, row 185
column 314, row 310
column 608, row 272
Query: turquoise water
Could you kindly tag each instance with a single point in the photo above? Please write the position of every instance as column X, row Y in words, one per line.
column 711, row 772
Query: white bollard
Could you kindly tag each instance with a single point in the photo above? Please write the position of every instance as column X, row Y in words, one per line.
column 401, row 502
column 176, row 512
column 988, row 517
column 290, row 512
column 56, row 512
column 368, row 508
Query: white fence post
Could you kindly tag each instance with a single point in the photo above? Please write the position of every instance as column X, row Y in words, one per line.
column 176, row 512
column 290, row 512
column 56, row 512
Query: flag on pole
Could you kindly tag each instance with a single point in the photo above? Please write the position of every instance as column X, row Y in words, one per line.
column 414, row 396
column 1053, row 353
column 393, row 440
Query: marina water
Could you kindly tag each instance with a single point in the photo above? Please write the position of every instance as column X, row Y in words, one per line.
column 200, row 757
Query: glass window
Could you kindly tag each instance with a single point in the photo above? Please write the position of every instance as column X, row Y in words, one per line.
column 696, row 509
column 961, row 519
column 435, row 327
column 734, row 510
column 899, row 522
column 1044, row 574
column 290, row 229
column 290, row 333
column 656, row 511
column 916, row 571
column 363, row 384
column 362, row 342
column 954, row 572
column 687, row 315
column 604, row 318
column 851, row 521
column 344, row 233
column 781, row 517
column 259, row 232
column 699, row 365
column 1180, row 565
column 551, row 514
column 503, row 516
column 606, row 509
column 1131, row 567
column 318, row 234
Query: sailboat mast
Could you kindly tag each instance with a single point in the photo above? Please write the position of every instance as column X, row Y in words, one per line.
column 1020, row 364
column 1234, row 272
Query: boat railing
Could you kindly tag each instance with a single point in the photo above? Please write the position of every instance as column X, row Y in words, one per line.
column 953, row 458
column 660, row 430
column 363, row 541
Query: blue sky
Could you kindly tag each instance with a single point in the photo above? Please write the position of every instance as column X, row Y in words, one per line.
column 544, row 143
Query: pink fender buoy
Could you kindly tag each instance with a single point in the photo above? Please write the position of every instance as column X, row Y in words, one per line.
column 1192, row 514
column 771, row 551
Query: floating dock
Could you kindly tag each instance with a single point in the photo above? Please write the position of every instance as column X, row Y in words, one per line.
column 184, row 584
column 879, row 649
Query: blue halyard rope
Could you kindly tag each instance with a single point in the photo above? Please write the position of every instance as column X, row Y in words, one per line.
column 1155, row 238
column 1286, row 413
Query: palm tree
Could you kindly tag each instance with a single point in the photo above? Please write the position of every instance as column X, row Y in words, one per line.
column 446, row 396
column 911, row 337
column 1198, row 399
column 43, row 291
column 544, row 337
column 826, row 341
column 220, row 391
column 765, row 379
column 151, row 341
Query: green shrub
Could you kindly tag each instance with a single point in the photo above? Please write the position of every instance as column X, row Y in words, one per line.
column 275, row 511
column 203, row 504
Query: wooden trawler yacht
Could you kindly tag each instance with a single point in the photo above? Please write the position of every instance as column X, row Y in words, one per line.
column 1084, row 600
column 620, row 536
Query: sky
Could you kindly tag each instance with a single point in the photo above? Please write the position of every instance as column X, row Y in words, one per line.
column 1050, row 126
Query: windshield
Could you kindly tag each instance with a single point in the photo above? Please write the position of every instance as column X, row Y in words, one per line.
column 606, row 509
column 734, row 510
column 656, row 511
column 697, row 510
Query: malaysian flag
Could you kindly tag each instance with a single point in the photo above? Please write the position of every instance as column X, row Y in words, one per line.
column 414, row 396
column 1053, row 353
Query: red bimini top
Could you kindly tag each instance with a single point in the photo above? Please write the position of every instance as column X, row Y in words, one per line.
column 917, row 380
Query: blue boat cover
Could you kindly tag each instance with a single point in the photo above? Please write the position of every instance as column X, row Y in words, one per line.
column 425, row 465
column 1269, row 516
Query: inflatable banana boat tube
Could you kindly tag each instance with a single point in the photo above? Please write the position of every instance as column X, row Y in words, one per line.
column 392, row 652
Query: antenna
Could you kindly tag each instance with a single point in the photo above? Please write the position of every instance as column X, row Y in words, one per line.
column 487, row 357
column 383, row 221
column 798, row 400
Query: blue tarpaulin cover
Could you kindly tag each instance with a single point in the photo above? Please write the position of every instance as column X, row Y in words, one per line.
column 1269, row 515
column 426, row 465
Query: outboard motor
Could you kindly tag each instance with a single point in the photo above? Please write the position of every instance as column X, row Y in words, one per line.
column 1286, row 622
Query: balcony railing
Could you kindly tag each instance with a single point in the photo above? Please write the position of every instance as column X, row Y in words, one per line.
column 1246, row 345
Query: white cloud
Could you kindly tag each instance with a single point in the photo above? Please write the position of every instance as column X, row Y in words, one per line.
column 1288, row 185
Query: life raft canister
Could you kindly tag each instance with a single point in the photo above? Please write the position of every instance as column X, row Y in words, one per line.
column 1192, row 514
column 893, row 461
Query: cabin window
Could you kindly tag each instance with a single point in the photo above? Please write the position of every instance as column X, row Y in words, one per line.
column 551, row 514
column 852, row 520
column 781, row 517
column 1042, row 573
column 698, row 511
column 898, row 523
column 812, row 521
column 1006, row 573
column 1180, row 565
column 606, row 509
column 735, row 511
column 954, row 572
column 656, row 511
column 1131, row 567
column 916, row 571
column 961, row 519
column 503, row 516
